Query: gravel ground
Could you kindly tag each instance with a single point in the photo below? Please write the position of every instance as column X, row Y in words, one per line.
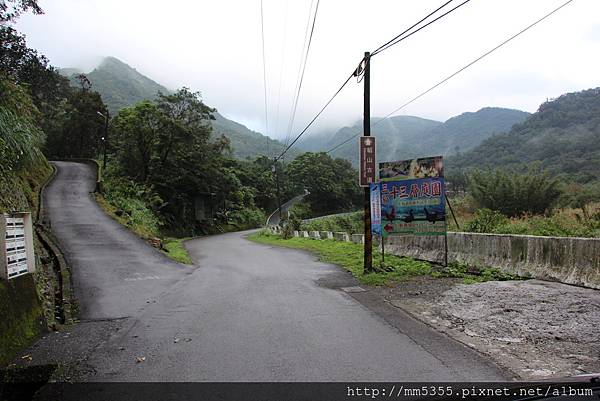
column 536, row 329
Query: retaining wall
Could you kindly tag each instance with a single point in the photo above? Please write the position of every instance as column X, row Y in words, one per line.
column 568, row 260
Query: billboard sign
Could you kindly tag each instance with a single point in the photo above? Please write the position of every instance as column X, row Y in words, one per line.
column 368, row 171
column 426, row 167
column 412, row 197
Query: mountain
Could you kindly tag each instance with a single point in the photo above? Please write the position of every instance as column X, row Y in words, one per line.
column 405, row 137
column 247, row 143
column 120, row 85
column 563, row 135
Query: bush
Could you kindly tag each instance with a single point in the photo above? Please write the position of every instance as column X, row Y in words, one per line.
column 135, row 203
column 514, row 194
column 486, row 221
column 247, row 218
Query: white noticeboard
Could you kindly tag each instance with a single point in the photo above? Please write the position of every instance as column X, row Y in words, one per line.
column 17, row 245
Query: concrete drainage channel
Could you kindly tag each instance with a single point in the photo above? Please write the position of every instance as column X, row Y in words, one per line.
column 63, row 305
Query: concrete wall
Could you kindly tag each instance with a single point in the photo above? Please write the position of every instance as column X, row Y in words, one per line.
column 568, row 260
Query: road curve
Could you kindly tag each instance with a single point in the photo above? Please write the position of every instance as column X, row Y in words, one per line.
column 114, row 272
column 244, row 312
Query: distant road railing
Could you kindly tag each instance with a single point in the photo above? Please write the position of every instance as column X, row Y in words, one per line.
column 273, row 218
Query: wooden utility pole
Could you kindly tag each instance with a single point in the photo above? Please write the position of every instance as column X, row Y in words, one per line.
column 368, row 246
column 278, row 188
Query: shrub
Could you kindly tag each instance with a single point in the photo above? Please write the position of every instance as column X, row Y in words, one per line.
column 485, row 221
column 247, row 218
column 514, row 194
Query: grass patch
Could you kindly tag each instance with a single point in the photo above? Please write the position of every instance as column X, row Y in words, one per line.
column 173, row 248
column 475, row 274
column 397, row 268
column 350, row 256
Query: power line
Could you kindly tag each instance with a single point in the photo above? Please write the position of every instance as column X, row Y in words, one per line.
column 262, row 30
column 423, row 19
column 282, row 64
column 356, row 72
column 457, row 72
column 315, row 117
column 299, row 86
column 400, row 38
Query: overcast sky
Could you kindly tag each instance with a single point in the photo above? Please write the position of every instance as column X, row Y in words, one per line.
column 215, row 47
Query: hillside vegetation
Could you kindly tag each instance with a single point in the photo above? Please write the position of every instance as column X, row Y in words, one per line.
column 563, row 136
column 121, row 85
column 404, row 137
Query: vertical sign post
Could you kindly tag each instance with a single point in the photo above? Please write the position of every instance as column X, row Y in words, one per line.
column 368, row 249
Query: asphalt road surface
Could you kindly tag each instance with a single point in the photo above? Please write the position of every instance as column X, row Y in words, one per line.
column 243, row 312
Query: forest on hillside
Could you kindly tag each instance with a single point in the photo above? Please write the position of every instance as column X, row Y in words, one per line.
column 162, row 158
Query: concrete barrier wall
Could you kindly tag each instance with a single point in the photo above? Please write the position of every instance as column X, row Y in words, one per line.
column 568, row 260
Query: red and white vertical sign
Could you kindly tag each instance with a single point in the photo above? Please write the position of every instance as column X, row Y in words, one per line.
column 367, row 160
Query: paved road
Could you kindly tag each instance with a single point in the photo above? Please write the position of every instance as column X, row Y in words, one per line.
column 245, row 312
column 114, row 271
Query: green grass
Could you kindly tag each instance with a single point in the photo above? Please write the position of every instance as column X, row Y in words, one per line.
column 475, row 274
column 173, row 248
column 397, row 268
column 350, row 256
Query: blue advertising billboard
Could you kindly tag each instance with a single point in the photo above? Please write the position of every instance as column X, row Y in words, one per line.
column 412, row 197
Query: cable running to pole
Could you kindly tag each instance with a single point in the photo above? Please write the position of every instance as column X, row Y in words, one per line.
column 299, row 86
column 458, row 71
column 262, row 30
column 407, row 30
column 398, row 40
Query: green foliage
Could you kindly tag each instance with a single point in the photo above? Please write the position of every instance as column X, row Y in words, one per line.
column 350, row 256
column 10, row 10
column 475, row 274
column 122, row 86
column 350, row 223
column 301, row 210
column 174, row 249
column 485, row 221
column 405, row 137
column 247, row 218
column 135, row 204
column 332, row 183
column 514, row 194
column 564, row 135
column 119, row 85
column 20, row 136
column 581, row 196
column 558, row 225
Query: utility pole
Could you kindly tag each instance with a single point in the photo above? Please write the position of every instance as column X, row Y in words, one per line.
column 274, row 169
column 104, row 138
column 368, row 246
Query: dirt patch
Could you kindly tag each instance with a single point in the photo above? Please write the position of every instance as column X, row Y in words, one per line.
column 536, row 329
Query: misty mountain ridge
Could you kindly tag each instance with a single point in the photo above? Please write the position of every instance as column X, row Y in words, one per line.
column 121, row 85
column 404, row 137
column 563, row 136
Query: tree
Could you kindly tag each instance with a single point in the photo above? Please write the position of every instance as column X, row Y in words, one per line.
column 332, row 183
column 514, row 194
column 10, row 10
column 20, row 136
